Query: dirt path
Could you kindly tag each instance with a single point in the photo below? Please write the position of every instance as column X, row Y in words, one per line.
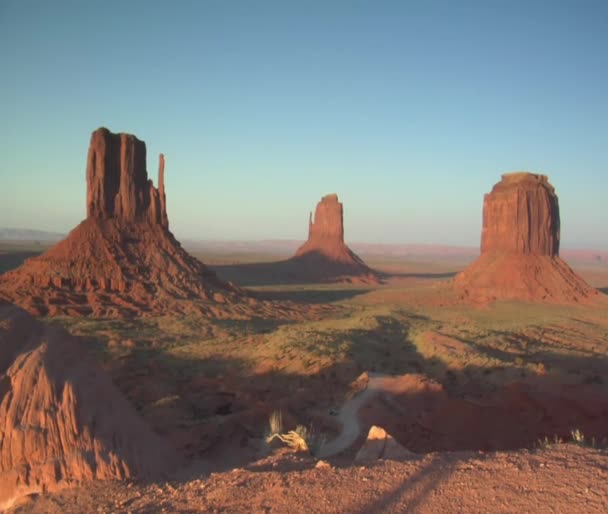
column 348, row 417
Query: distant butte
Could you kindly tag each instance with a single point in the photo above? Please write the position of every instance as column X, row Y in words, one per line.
column 520, row 247
column 122, row 260
column 325, row 256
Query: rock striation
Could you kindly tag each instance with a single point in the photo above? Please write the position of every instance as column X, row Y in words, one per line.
column 520, row 247
column 325, row 256
column 122, row 260
column 326, row 231
column 117, row 181
column 521, row 217
column 62, row 421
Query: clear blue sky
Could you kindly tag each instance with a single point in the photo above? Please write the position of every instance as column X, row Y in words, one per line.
column 410, row 111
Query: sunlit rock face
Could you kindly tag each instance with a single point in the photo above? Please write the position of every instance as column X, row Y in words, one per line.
column 521, row 216
column 520, row 248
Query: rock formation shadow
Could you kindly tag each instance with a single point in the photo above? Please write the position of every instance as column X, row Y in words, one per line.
column 217, row 408
column 314, row 296
column 11, row 260
column 317, row 270
column 314, row 268
column 426, row 479
column 431, row 276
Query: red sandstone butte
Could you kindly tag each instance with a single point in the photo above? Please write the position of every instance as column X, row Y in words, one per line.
column 325, row 256
column 122, row 260
column 520, row 247
column 62, row 421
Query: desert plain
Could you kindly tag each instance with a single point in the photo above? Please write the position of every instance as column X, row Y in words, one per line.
column 503, row 406
column 138, row 374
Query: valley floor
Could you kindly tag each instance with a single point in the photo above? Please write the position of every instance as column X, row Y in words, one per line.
column 467, row 384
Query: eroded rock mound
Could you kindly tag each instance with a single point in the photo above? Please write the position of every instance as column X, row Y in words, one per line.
column 122, row 260
column 62, row 421
column 520, row 247
column 325, row 256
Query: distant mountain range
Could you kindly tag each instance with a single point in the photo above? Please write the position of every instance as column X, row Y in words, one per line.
column 287, row 247
column 24, row 234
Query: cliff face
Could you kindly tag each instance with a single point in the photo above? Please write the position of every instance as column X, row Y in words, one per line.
column 328, row 225
column 62, row 421
column 521, row 216
column 520, row 247
column 117, row 181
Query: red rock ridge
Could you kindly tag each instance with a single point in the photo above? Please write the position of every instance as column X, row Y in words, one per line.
column 62, row 421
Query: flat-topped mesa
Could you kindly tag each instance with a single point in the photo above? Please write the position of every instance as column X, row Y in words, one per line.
column 521, row 216
column 520, row 248
column 117, row 180
column 328, row 224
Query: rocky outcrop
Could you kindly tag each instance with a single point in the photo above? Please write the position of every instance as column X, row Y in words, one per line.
column 117, row 180
column 520, row 247
column 122, row 260
column 521, row 216
column 62, row 421
column 327, row 228
column 325, row 256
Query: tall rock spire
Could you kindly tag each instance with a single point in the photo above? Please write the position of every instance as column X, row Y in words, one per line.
column 117, row 180
column 325, row 256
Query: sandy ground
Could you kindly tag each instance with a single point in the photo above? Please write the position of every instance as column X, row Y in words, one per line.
column 564, row 478
column 209, row 385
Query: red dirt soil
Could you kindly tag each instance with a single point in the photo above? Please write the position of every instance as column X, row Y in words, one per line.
column 62, row 421
column 563, row 479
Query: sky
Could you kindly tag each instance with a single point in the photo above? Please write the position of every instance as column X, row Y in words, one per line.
column 409, row 111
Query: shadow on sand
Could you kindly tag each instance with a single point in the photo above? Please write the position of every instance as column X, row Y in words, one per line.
column 316, row 269
column 311, row 296
column 287, row 272
column 430, row 276
column 12, row 260
column 465, row 408
column 216, row 407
